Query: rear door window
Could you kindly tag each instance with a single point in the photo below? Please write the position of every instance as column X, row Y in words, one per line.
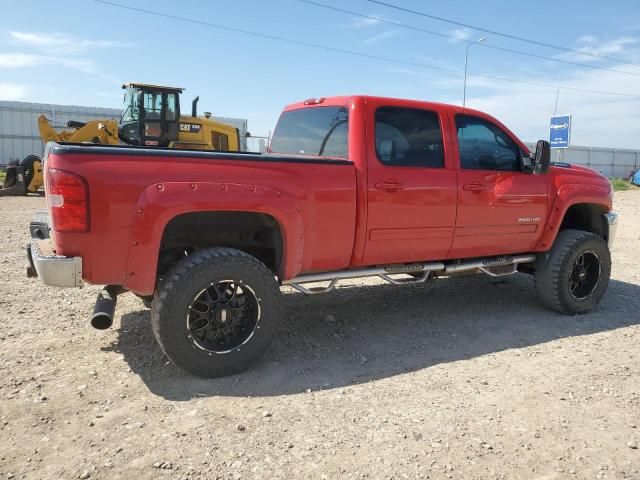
column 408, row 137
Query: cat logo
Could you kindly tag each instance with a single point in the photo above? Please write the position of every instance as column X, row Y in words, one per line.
column 190, row 127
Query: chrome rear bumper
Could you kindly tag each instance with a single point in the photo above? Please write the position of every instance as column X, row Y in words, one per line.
column 52, row 269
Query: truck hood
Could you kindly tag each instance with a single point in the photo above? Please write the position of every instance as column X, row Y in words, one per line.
column 571, row 174
column 570, row 169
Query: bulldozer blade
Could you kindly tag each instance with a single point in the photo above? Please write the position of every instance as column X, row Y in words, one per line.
column 14, row 185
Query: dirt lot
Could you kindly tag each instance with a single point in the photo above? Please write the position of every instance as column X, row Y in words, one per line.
column 466, row 378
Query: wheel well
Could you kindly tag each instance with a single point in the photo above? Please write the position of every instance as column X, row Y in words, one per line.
column 587, row 217
column 257, row 234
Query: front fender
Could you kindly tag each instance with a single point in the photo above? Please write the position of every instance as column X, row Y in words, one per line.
column 567, row 196
column 161, row 202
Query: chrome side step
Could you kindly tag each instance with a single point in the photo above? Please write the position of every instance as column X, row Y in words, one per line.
column 494, row 266
column 486, row 265
column 382, row 272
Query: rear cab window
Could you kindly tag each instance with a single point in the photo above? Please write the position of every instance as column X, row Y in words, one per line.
column 315, row 131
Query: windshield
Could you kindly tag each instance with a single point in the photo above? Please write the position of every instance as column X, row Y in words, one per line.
column 130, row 107
column 321, row 131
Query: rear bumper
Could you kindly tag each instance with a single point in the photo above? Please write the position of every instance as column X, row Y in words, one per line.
column 53, row 270
column 612, row 226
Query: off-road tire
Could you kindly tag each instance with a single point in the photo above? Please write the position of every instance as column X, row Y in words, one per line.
column 181, row 285
column 552, row 282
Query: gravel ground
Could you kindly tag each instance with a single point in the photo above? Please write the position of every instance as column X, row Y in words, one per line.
column 465, row 378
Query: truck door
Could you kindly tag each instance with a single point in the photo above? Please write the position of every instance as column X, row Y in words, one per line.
column 411, row 185
column 501, row 208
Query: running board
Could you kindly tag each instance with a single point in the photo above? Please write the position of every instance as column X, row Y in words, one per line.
column 494, row 266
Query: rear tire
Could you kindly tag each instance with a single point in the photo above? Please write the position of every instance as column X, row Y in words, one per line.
column 216, row 311
column 576, row 274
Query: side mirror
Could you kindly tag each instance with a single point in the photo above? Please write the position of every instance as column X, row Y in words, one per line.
column 543, row 157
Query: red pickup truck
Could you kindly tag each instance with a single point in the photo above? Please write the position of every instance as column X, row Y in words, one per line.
column 352, row 187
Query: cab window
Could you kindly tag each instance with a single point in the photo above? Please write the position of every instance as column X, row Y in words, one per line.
column 153, row 106
column 408, row 137
column 321, row 131
column 131, row 108
column 170, row 113
column 484, row 146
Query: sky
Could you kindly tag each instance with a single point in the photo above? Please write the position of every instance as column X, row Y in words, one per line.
column 81, row 51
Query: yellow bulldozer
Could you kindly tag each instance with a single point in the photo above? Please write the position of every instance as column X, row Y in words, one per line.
column 151, row 117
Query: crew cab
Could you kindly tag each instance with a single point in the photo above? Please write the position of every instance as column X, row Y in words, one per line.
column 351, row 187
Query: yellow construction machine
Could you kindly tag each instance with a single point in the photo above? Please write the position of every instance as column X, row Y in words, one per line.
column 150, row 117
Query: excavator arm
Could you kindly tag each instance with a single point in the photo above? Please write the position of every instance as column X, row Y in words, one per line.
column 26, row 177
column 96, row 131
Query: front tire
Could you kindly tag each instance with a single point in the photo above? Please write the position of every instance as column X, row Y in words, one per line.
column 216, row 312
column 576, row 274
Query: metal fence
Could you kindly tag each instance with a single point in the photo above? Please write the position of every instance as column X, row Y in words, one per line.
column 611, row 162
column 19, row 134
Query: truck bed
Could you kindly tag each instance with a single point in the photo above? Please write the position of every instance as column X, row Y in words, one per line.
column 135, row 191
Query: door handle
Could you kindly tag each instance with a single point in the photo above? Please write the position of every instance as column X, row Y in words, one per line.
column 475, row 187
column 389, row 186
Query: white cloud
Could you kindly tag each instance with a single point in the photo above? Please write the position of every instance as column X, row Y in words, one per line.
column 20, row 60
column 61, row 42
column 598, row 119
column 23, row 60
column 587, row 39
column 12, row 91
column 364, row 22
column 379, row 37
column 593, row 45
column 57, row 49
column 460, row 34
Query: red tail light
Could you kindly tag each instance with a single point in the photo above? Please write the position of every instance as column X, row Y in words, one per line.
column 68, row 200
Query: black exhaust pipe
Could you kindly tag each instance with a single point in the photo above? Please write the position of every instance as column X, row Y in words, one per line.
column 105, row 308
column 194, row 107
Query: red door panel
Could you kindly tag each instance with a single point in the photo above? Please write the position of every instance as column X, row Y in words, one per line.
column 501, row 208
column 411, row 202
column 414, row 222
column 506, row 215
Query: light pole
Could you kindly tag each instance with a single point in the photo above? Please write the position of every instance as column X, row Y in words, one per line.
column 466, row 60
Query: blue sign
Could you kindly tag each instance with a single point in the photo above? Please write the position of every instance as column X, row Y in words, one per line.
column 560, row 131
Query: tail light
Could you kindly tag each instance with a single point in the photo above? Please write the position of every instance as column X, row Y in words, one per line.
column 68, row 200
